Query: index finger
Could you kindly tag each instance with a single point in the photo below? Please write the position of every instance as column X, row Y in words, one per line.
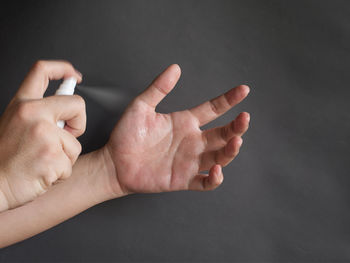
column 35, row 83
column 210, row 110
column 70, row 109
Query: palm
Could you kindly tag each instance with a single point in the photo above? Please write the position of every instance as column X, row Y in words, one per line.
column 155, row 152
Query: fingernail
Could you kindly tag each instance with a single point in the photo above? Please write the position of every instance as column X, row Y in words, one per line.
column 247, row 89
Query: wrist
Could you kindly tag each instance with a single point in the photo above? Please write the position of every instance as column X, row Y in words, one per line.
column 100, row 175
column 113, row 188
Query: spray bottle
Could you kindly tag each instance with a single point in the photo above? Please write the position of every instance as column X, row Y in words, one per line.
column 66, row 88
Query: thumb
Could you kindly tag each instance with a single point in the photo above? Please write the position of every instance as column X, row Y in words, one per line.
column 161, row 86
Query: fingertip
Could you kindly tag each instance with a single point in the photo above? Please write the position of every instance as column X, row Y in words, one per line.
column 241, row 92
column 215, row 177
column 244, row 89
column 176, row 66
column 245, row 116
column 79, row 76
column 219, row 174
column 237, row 94
column 239, row 141
column 72, row 72
column 78, row 72
column 176, row 69
column 79, row 79
column 236, row 140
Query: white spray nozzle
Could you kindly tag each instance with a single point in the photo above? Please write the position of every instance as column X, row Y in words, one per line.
column 66, row 88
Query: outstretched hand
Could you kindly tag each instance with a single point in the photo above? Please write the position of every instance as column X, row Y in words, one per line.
column 154, row 152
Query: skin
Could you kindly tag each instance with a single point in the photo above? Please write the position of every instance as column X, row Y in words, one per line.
column 34, row 152
column 154, row 152
column 147, row 152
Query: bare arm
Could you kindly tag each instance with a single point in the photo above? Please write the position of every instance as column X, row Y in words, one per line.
column 34, row 152
column 85, row 188
column 147, row 152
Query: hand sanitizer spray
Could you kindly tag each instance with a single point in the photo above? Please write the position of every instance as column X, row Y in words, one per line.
column 66, row 88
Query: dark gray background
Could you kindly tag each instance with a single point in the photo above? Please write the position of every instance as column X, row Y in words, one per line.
column 285, row 198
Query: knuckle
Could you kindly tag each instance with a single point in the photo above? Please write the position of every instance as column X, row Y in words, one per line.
column 77, row 149
column 46, row 177
column 48, row 152
column 67, row 171
column 66, row 62
column 74, row 151
column 66, row 65
column 40, row 65
column 49, row 178
column 219, row 105
column 159, row 88
column 225, row 101
column 27, row 109
column 214, row 107
column 82, row 130
column 79, row 101
column 224, row 133
column 40, row 130
column 79, row 130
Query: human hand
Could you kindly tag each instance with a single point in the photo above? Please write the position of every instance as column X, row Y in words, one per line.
column 153, row 152
column 34, row 152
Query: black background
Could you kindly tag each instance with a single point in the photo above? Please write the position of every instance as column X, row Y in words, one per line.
column 285, row 197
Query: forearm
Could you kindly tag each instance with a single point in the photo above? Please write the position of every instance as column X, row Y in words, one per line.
column 87, row 187
column 4, row 204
